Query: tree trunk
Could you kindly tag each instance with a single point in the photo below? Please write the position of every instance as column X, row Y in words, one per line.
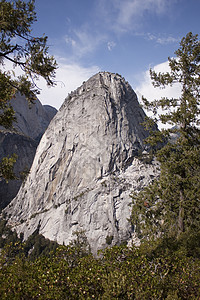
column 181, row 214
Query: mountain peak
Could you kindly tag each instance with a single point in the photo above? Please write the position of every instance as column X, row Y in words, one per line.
column 85, row 166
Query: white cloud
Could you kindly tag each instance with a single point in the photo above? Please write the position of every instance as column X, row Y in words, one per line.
column 130, row 9
column 126, row 15
column 70, row 41
column 163, row 40
column 167, row 40
column 145, row 87
column 111, row 45
column 69, row 77
column 84, row 41
column 111, row 18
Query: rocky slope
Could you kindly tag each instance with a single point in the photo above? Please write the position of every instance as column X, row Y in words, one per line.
column 32, row 118
column 86, row 167
column 32, row 121
column 25, row 148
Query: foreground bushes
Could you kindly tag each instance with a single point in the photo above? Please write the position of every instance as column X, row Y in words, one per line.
column 166, row 269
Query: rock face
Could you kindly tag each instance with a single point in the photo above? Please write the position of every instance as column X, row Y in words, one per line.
column 31, row 123
column 25, row 148
column 86, row 167
column 32, row 119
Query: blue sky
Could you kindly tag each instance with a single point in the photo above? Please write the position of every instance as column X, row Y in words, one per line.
column 121, row 36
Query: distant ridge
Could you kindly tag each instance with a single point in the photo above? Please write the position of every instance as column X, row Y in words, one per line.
column 32, row 121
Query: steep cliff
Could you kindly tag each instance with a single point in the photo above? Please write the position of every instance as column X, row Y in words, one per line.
column 86, row 167
column 32, row 121
column 25, row 148
column 32, row 118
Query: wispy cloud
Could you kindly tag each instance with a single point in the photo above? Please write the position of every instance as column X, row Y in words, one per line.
column 70, row 41
column 135, row 9
column 84, row 41
column 163, row 40
column 125, row 15
column 110, row 20
column 69, row 76
column 111, row 45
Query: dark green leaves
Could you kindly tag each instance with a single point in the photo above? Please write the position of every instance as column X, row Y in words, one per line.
column 24, row 51
column 174, row 199
column 165, row 269
column 18, row 46
column 6, row 167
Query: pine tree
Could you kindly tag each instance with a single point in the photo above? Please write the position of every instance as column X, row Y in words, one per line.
column 171, row 204
column 18, row 46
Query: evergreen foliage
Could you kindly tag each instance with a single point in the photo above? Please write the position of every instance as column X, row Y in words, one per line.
column 35, row 246
column 18, row 46
column 6, row 167
column 29, row 53
column 171, row 204
column 165, row 269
